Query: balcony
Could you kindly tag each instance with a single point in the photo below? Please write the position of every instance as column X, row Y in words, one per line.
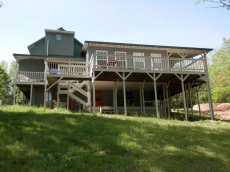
column 127, row 63
column 67, row 68
column 30, row 78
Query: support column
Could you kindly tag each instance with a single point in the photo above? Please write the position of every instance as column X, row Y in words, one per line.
column 89, row 96
column 186, row 97
column 156, row 101
column 31, row 94
column 197, row 96
column 94, row 103
column 140, row 97
column 18, row 92
column 44, row 96
column 208, row 89
column 68, row 97
column 209, row 98
column 143, row 97
column 116, row 96
column 190, row 97
column 184, row 100
column 164, row 100
column 167, row 97
column 124, row 93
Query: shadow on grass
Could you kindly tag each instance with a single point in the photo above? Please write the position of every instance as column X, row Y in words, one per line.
column 78, row 142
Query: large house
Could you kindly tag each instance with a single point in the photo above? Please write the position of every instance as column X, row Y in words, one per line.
column 119, row 77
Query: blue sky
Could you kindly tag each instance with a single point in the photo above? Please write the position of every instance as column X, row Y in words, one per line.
column 155, row 22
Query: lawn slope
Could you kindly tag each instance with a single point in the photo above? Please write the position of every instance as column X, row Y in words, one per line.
column 35, row 139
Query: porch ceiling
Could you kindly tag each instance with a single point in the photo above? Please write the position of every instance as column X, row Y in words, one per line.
column 132, row 82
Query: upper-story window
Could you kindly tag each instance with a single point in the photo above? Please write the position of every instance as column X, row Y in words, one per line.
column 101, row 57
column 120, row 58
column 138, row 60
column 157, row 61
column 58, row 37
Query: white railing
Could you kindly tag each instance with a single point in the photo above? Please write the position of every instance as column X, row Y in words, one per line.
column 67, row 67
column 23, row 76
column 147, row 63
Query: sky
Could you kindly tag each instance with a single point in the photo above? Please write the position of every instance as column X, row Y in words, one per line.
column 154, row 22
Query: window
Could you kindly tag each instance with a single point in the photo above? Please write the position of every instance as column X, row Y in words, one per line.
column 58, row 37
column 121, row 58
column 138, row 60
column 156, row 61
column 101, row 57
column 49, row 99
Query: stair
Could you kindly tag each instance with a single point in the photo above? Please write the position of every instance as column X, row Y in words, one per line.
column 74, row 87
column 77, row 99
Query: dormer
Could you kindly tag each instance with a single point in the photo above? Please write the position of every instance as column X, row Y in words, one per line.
column 59, row 42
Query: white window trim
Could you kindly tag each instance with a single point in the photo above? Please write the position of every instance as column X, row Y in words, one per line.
column 102, row 54
column 125, row 54
column 141, row 60
column 152, row 61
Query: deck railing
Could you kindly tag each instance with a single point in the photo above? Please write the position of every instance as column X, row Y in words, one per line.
column 67, row 67
column 147, row 63
column 23, row 76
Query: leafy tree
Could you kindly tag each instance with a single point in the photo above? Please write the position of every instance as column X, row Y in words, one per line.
column 1, row 4
column 12, row 70
column 219, row 71
column 4, row 86
column 220, row 3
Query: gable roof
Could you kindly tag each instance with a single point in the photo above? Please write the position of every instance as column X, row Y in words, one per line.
column 43, row 38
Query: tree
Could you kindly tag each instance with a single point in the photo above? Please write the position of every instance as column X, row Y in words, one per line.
column 4, row 86
column 219, row 71
column 220, row 3
column 1, row 4
column 12, row 70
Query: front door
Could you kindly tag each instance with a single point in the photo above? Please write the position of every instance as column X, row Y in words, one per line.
column 99, row 97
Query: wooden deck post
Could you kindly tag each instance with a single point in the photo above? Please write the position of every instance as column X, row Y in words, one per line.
column 156, row 101
column 197, row 97
column 124, row 93
column 31, row 94
column 167, row 97
column 140, row 97
column 208, row 88
column 94, row 103
column 143, row 97
column 190, row 97
column 89, row 95
column 68, row 97
column 184, row 99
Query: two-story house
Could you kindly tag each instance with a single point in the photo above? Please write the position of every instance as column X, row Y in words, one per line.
column 124, row 78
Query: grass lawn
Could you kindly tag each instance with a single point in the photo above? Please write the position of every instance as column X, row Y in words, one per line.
column 35, row 139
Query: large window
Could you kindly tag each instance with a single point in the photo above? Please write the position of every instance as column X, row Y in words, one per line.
column 139, row 61
column 49, row 99
column 101, row 57
column 121, row 58
column 156, row 61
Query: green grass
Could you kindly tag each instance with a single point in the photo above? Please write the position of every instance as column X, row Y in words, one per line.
column 35, row 139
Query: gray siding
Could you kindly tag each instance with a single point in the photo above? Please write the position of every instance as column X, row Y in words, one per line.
column 77, row 49
column 31, row 65
column 64, row 47
column 37, row 98
column 93, row 49
column 38, row 48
